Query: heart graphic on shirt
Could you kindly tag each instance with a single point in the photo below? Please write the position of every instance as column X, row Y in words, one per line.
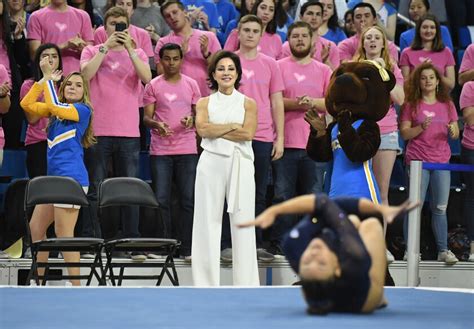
column 61, row 27
column 294, row 234
column 114, row 66
column 248, row 73
column 170, row 97
column 299, row 77
column 423, row 59
column 429, row 114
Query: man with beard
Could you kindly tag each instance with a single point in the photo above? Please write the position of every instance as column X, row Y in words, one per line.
column 323, row 50
column 306, row 81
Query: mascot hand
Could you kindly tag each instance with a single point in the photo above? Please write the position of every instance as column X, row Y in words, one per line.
column 344, row 119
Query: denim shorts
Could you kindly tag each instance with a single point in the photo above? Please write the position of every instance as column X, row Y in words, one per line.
column 389, row 142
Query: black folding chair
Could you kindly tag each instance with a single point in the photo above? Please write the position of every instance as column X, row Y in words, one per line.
column 128, row 191
column 60, row 190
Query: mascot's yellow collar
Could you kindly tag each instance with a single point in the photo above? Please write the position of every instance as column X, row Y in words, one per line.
column 383, row 72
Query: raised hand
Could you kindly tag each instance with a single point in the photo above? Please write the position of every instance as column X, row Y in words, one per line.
column 204, row 43
column 56, row 75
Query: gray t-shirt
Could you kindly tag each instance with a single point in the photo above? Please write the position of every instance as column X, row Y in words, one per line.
column 142, row 17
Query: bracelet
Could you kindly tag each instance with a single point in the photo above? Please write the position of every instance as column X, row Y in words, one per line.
column 133, row 55
column 3, row 96
column 207, row 56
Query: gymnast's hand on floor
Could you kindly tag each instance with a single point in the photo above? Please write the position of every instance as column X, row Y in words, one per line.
column 264, row 220
column 390, row 213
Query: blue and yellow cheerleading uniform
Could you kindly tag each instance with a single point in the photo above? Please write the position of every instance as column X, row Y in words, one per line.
column 65, row 155
column 349, row 178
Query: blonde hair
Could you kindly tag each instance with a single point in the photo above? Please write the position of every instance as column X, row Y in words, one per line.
column 88, row 139
column 361, row 55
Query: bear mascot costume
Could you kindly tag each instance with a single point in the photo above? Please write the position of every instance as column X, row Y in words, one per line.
column 358, row 96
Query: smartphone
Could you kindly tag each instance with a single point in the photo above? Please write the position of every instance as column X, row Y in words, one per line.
column 119, row 27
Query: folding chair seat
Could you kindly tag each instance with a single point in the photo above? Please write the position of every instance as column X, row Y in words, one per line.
column 60, row 190
column 129, row 191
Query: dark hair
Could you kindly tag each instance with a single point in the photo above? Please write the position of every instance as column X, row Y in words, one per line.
column 89, row 9
column 37, row 74
column 213, row 65
column 333, row 22
column 309, row 4
column 168, row 3
column 272, row 25
column 319, row 295
column 297, row 25
column 170, row 46
column 438, row 44
column 8, row 41
column 134, row 3
column 243, row 9
column 349, row 12
column 116, row 12
column 365, row 5
column 425, row 2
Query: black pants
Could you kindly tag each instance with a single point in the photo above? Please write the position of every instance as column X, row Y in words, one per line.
column 36, row 159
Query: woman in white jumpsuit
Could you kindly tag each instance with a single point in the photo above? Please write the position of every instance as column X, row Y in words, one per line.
column 226, row 121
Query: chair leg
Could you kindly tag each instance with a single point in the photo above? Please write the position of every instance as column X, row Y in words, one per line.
column 122, row 270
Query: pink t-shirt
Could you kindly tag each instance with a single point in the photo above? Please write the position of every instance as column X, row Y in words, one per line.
column 4, row 60
column 139, row 35
column 261, row 77
column 194, row 64
column 116, row 92
column 432, row 144
column 173, row 101
column 270, row 44
column 467, row 100
column 311, row 79
column 348, row 48
column 468, row 59
column 3, row 78
column 35, row 132
column 389, row 122
column 49, row 25
column 441, row 59
column 318, row 47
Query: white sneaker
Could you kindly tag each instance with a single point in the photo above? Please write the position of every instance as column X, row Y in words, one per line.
column 471, row 257
column 390, row 257
column 447, row 256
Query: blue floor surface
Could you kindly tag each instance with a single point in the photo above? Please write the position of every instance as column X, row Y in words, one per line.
column 222, row 308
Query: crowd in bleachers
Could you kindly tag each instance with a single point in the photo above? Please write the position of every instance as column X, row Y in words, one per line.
column 117, row 45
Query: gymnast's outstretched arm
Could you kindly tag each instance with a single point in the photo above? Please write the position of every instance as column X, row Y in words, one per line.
column 306, row 204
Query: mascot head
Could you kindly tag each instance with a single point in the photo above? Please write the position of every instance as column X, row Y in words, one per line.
column 363, row 88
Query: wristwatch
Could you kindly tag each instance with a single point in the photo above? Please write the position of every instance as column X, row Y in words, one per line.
column 103, row 49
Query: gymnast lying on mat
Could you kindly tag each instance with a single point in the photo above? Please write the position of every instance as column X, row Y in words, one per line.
column 338, row 251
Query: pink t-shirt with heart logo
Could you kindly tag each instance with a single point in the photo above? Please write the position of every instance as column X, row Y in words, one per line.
column 173, row 101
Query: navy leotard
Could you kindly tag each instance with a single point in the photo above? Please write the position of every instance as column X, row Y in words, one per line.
column 354, row 260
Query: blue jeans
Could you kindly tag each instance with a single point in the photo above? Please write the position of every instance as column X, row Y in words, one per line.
column 321, row 175
column 467, row 157
column 294, row 174
column 263, row 160
column 183, row 169
column 439, row 182
column 124, row 152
